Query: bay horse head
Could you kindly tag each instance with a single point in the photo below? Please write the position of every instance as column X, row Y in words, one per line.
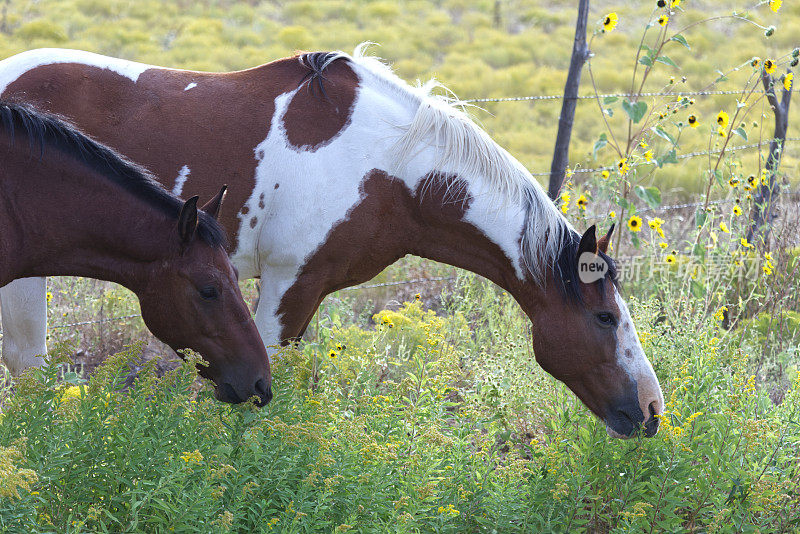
column 583, row 335
column 77, row 208
column 192, row 300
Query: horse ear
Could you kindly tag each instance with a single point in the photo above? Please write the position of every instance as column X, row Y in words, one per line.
column 213, row 206
column 588, row 241
column 187, row 220
column 603, row 242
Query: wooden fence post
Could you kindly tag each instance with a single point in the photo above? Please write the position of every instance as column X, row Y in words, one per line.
column 580, row 53
column 764, row 203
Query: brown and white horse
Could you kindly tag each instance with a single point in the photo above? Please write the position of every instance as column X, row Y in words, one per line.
column 338, row 168
column 71, row 206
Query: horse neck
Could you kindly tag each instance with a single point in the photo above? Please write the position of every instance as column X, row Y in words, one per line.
column 62, row 218
column 461, row 223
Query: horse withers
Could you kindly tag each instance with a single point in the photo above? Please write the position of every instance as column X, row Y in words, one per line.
column 71, row 206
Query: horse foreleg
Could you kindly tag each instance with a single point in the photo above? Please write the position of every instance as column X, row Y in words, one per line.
column 24, row 313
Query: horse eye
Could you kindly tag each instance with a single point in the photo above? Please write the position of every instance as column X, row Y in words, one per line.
column 209, row 293
column 606, row 319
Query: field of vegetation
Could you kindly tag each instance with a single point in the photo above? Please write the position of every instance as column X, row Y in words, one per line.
column 419, row 407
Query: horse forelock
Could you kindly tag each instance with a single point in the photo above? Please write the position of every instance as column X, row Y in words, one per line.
column 565, row 270
column 52, row 131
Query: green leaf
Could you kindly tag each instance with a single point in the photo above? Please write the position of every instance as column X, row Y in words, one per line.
column 667, row 61
column 645, row 60
column 682, row 40
column 635, row 111
column 698, row 290
column 600, row 143
column 700, row 216
column 740, row 131
column 669, row 157
column 659, row 131
column 651, row 195
column 610, row 99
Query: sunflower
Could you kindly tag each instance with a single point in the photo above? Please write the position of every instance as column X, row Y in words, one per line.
column 755, row 61
column 733, row 182
column 724, row 227
column 770, row 66
column 722, row 119
column 787, row 81
column 635, row 224
column 648, row 156
column 582, row 202
column 775, row 5
column 605, row 175
column 661, row 3
column 737, row 211
column 670, row 259
column 332, row 354
column 663, row 19
column 675, row 3
column 721, row 132
column 612, row 214
column 745, row 243
column 623, row 166
column 692, row 120
column 610, row 22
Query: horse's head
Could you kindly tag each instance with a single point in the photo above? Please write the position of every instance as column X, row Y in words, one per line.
column 583, row 335
column 192, row 300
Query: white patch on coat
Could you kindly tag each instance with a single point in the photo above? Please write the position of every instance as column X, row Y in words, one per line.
column 180, row 180
column 15, row 66
column 319, row 188
column 191, row 85
column 635, row 362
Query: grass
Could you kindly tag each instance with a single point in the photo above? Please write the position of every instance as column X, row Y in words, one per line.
column 414, row 422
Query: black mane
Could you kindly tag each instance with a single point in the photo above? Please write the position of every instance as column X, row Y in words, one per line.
column 566, row 268
column 316, row 63
column 48, row 130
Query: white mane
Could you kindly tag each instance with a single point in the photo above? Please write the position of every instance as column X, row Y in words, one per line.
column 464, row 145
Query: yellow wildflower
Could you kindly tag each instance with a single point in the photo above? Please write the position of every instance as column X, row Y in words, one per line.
column 755, row 62
column 670, row 259
column 737, row 211
column 648, row 156
column 770, row 66
column 675, row 3
column 722, row 119
column 663, row 19
column 745, row 243
column 692, row 120
column 610, row 22
column 663, row 245
column 194, row 456
column 635, row 224
column 605, row 175
column 775, row 5
column 787, row 81
column 582, row 202
column 622, row 165
column 612, row 214
column 724, row 227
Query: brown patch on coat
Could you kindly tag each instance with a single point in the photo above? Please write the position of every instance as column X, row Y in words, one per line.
column 253, row 222
column 313, row 119
column 390, row 222
column 212, row 129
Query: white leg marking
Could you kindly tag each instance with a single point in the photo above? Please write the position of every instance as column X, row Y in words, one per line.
column 190, row 86
column 24, row 306
column 183, row 174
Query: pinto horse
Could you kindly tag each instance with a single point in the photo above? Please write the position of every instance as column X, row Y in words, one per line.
column 340, row 168
column 71, row 206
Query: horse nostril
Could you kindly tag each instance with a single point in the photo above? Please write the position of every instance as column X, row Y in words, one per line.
column 264, row 390
column 652, row 409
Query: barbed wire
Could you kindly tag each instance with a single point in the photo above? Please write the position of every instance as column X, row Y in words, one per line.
column 680, row 156
column 604, row 95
